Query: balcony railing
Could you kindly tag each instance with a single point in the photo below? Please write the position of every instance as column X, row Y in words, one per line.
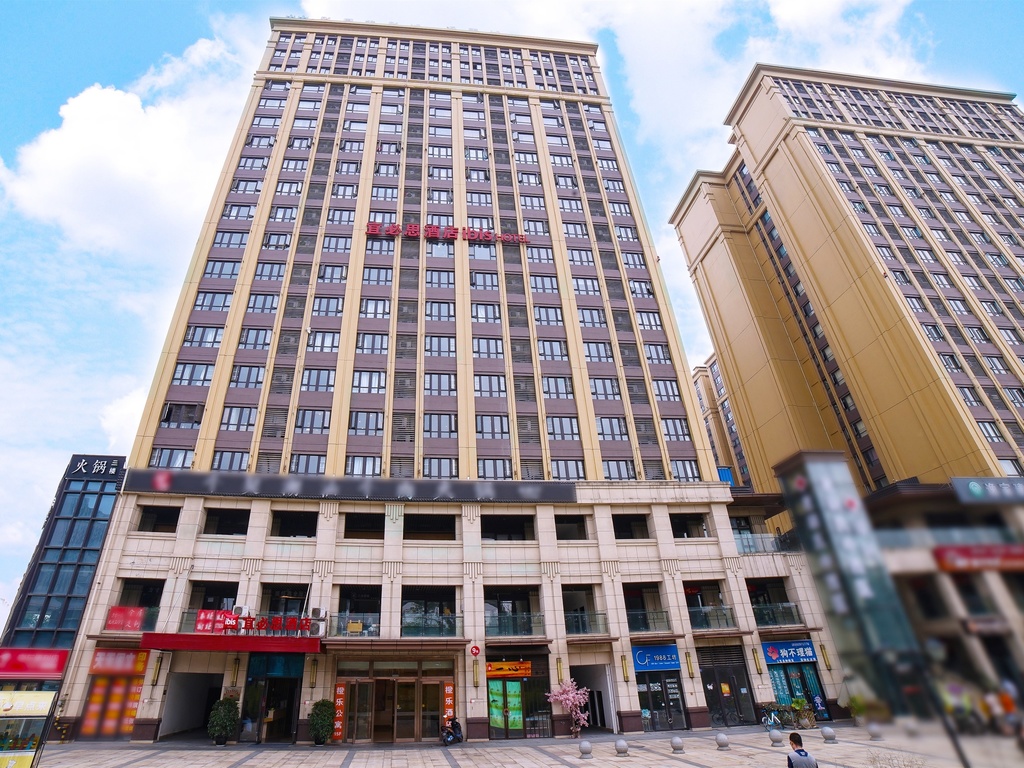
column 356, row 625
column 586, row 624
column 123, row 618
column 777, row 614
column 756, row 543
column 514, row 624
column 712, row 617
column 926, row 538
column 432, row 625
column 647, row 621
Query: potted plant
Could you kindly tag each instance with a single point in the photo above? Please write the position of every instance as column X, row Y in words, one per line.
column 321, row 721
column 802, row 714
column 223, row 723
column 858, row 709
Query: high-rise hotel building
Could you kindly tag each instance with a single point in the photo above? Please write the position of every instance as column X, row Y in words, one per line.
column 860, row 261
column 420, row 437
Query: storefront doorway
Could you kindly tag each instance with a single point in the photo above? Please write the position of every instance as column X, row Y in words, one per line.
column 517, row 707
column 793, row 671
column 659, row 687
column 505, row 709
column 723, row 674
column 270, row 701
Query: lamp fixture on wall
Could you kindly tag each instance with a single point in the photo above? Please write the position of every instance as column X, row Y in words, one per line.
column 689, row 665
column 625, row 667
column 234, row 673
column 824, row 656
column 314, row 664
column 156, row 669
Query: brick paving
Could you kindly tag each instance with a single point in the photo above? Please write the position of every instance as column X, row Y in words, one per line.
column 748, row 747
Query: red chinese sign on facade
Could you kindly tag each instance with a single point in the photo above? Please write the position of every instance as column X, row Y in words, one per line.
column 980, row 557
column 108, row 661
column 339, row 711
column 122, row 618
column 449, row 700
column 227, row 622
column 438, row 232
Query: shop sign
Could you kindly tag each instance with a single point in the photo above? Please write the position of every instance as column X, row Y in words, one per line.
column 986, row 625
column 449, row 701
column 988, row 490
column 789, row 651
column 217, row 622
column 340, row 691
column 26, row 703
column 32, row 663
column 982, row 557
column 106, row 661
column 649, row 657
column 438, row 232
column 122, row 618
column 509, row 668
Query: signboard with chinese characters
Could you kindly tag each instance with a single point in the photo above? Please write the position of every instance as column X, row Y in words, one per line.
column 437, row 232
column 111, row 661
column 989, row 490
column 32, row 663
column 340, row 695
column 650, row 657
column 509, row 668
column 84, row 467
column 23, row 716
column 449, row 701
column 788, row 651
column 981, row 557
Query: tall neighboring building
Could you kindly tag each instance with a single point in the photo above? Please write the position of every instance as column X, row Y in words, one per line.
column 48, row 608
column 720, row 424
column 860, row 261
column 420, row 436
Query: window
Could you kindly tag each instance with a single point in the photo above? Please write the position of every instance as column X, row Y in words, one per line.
column 344, row 190
column 366, row 423
column 488, row 347
column 686, row 471
column 212, row 302
column 312, row 422
column 547, row 315
column 171, row 458
column 439, row 425
column 327, row 306
column 308, row 464
column 535, row 227
column 383, row 193
column 557, row 387
column 666, row 389
column 247, row 376
column 181, row 416
column 633, row 260
column 441, row 468
column 230, row 239
column 371, row 343
column 916, row 304
column 492, row 427
column 262, row 303
column 269, row 270
column 977, row 334
column 332, row 273
column 649, row 321
column 526, row 158
column 951, row 363
column 991, row 431
column 289, row 188
column 238, row 419
column 544, row 283
column 485, row 313
column 605, row 389
column 996, row 364
column 611, row 428
column 1010, row 336
column 591, row 318
column 238, row 211
column 323, row 341
column 317, row 380
column 536, row 254
column 439, row 346
column 970, row 395
column 489, row 385
column 379, row 309
column 494, row 469
column 230, row 461
column 439, row 384
column 443, row 311
column 675, row 429
column 641, row 289
column 581, row 257
column 1016, row 395
column 598, row 352
column 254, row 338
column 621, row 469
column 369, row 382
column 933, row 332
column 563, row 428
column 657, row 353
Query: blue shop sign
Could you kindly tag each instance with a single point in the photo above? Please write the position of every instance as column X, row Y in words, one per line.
column 648, row 657
column 788, row 651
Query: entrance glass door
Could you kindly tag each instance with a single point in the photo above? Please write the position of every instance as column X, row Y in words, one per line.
column 360, row 712
column 383, row 710
column 661, row 700
column 405, row 710
column 505, row 709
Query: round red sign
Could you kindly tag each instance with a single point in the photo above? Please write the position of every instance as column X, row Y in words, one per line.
column 475, row 650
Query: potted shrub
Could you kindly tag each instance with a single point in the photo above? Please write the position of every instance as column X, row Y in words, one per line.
column 802, row 714
column 858, row 709
column 321, row 721
column 223, row 724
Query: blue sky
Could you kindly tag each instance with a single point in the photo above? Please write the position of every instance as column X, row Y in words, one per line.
column 118, row 115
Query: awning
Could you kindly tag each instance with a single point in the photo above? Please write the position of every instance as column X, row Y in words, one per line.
column 173, row 641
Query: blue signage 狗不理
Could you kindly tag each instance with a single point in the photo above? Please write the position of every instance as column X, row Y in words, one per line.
column 648, row 657
column 788, row 651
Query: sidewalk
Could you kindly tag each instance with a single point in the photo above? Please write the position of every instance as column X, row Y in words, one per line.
column 748, row 747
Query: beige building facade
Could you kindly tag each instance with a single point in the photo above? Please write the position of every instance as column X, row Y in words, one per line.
column 419, row 441
column 860, row 264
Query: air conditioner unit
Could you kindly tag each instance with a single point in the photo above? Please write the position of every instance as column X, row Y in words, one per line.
column 241, row 610
column 318, row 613
column 318, row 628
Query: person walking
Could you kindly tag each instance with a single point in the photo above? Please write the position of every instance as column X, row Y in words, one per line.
column 799, row 757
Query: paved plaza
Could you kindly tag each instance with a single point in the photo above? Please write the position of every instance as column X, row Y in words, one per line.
column 749, row 748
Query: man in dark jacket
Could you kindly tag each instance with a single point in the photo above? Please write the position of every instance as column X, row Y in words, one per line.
column 799, row 758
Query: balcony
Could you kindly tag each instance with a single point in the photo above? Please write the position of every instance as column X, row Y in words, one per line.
column 927, row 538
column 712, row 617
column 122, row 618
column 585, row 623
column 758, row 543
column 647, row 621
column 431, row 625
column 777, row 615
column 514, row 625
column 356, row 625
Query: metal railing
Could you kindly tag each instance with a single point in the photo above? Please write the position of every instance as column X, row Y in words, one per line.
column 756, row 543
column 432, row 625
column 648, row 621
column 712, row 617
column 514, row 624
column 355, row 625
column 586, row 623
column 926, row 538
column 777, row 614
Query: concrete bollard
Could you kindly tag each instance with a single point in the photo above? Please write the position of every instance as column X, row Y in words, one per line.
column 776, row 736
column 586, row 751
column 677, row 746
column 828, row 735
column 722, row 741
column 911, row 728
column 621, row 748
column 875, row 732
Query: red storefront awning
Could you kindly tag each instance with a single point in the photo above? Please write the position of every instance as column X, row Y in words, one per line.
column 173, row 641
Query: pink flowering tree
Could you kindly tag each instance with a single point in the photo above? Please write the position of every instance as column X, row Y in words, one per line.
column 572, row 699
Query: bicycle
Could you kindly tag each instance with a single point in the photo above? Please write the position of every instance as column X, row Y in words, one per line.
column 721, row 719
column 770, row 720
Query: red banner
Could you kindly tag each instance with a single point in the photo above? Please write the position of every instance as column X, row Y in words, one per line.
column 981, row 557
column 110, row 661
column 123, row 618
column 32, row 663
column 449, row 701
column 340, row 692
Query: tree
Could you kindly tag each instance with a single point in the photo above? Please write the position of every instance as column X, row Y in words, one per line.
column 572, row 699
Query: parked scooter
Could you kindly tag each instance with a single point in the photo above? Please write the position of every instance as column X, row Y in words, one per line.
column 451, row 732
